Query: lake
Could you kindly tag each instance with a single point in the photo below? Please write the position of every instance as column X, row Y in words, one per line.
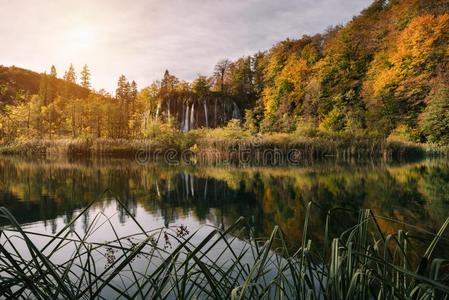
column 44, row 195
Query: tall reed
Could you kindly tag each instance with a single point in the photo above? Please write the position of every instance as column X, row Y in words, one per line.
column 172, row 263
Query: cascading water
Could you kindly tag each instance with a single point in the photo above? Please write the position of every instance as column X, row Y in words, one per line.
column 182, row 118
column 158, row 109
column 215, row 113
column 205, row 190
column 192, row 189
column 168, row 108
column 186, row 183
column 192, row 116
column 205, row 114
column 236, row 114
column 186, row 120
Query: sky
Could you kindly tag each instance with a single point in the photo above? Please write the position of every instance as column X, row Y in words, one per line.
column 143, row 38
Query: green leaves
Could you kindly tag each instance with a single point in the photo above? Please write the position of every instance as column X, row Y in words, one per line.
column 435, row 119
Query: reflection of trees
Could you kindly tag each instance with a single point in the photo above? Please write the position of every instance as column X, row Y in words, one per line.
column 394, row 192
column 417, row 194
column 434, row 185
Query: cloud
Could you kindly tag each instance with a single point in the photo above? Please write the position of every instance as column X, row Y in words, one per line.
column 143, row 38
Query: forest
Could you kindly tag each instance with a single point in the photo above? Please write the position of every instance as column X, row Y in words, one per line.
column 384, row 74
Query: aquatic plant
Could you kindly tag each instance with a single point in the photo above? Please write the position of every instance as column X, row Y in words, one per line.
column 169, row 263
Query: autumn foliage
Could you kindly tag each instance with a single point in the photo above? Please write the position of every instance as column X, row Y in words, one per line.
column 375, row 76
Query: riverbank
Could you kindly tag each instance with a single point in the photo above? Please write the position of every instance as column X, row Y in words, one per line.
column 218, row 145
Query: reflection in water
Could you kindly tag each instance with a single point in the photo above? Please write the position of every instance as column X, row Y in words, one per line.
column 42, row 192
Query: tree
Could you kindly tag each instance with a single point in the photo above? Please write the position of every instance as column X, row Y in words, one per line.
column 53, row 72
column 133, row 91
column 122, row 94
column 70, row 74
column 435, row 118
column 168, row 91
column 201, row 89
column 221, row 70
column 401, row 76
column 85, row 77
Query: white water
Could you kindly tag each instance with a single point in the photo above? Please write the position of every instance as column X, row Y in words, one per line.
column 205, row 114
column 192, row 116
column 186, row 121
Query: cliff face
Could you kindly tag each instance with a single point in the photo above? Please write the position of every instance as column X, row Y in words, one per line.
column 213, row 111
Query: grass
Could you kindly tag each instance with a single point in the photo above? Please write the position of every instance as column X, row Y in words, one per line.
column 172, row 263
column 227, row 144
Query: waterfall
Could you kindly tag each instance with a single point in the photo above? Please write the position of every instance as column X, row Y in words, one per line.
column 186, row 120
column 205, row 189
column 158, row 108
column 186, row 183
column 215, row 113
column 192, row 190
column 168, row 108
column 182, row 118
column 205, row 113
column 236, row 114
column 157, row 190
column 192, row 116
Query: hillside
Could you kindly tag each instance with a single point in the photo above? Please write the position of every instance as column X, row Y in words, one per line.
column 17, row 84
column 377, row 73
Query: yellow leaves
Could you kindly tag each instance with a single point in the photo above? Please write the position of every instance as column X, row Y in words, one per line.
column 288, row 87
column 420, row 44
column 417, row 50
column 386, row 78
column 270, row 104
column 295, row 73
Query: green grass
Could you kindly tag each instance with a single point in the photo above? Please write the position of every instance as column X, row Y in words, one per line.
column 172, row 263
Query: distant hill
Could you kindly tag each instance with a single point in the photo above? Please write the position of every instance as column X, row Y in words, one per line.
column 15, row 83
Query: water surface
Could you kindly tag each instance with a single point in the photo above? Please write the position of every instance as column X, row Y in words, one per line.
column 44, row 195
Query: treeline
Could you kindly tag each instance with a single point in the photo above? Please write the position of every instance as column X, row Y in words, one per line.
column 62, row 108
column 383, row 74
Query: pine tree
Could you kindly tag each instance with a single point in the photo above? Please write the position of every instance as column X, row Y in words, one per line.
column 70, row 74
column 122, row 95
column 133, row 91
column 85, row 77
column 121, row 91
column 53, row 72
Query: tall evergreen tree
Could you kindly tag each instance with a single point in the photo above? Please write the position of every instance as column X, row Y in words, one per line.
column 53, row 72
column 70, row 74
column 85, row 77
column 121, row 93
column 133, row 91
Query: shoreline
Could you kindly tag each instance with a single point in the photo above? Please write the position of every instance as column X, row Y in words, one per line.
column 276, row 149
